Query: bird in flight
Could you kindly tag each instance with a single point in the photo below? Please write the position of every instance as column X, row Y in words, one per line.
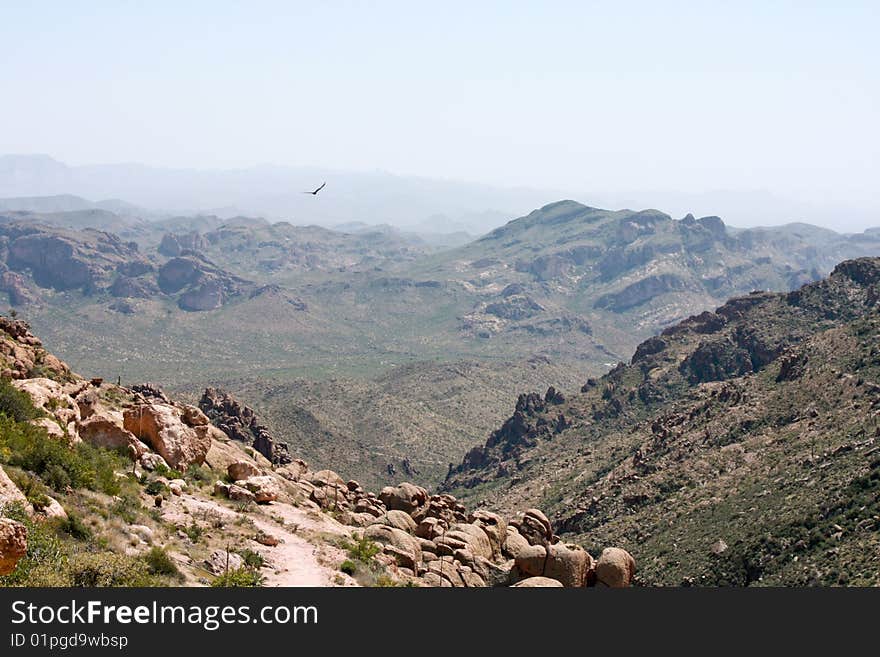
column 315, row 193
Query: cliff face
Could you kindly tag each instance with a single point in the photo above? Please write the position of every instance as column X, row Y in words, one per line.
column 738, row 446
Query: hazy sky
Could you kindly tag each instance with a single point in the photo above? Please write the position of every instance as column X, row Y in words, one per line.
column 605, row 97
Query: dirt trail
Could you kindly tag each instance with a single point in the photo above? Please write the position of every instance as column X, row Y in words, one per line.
column 294, row 561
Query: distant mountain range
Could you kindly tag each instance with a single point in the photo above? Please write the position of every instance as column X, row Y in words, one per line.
column 302, row 317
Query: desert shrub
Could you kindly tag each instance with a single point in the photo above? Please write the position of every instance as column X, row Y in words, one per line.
column 97, row 569
column 34, row 490
column 363, row 550
column 239, row 577
column 348, row 567
column 17, row 404
column 127, row 507
column 194, row 532
column 159, row 562
column 155, row 487
column 251, row 558
column 59, row 465
column 74, row 527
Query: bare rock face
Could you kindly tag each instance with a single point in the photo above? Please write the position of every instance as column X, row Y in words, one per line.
column 201, row 284
column 13, row 544
column 615, row 568
column 161, row 427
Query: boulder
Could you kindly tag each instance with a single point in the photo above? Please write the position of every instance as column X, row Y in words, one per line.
column 531, row 560
column 397, row 519
column 538, row 582
column 327, row 478
column 615, row 568
column 494, row 526
column 473, row 537
column 568, row 563
column 294, row 470
column 105, row 429
column 13, row 544
column 430, row 528
column 404, row 497
column 221, row 560
column 493, row 574
column 446, row 569
column 264, row 488
column 52, row 509
column 161, row 427
column 193, row 416
column 513, row 543
column 242, row 470
column 239, row 494
column 150, row 461
column 397, row 538
column 535, row 527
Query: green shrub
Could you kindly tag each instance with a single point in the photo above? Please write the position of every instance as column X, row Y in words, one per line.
column 155, row 487
column 194, row 531
column 348, row 567
column 160, row 563
column 127, row 507
column 110, row 569
column 59, row 465
column 363, row 550
column 251, row 558
column 17, row 404
column 34, row 489
column 75, row 527
column 239, row 577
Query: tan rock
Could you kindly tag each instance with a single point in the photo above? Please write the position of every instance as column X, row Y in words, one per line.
column 404, row 497
column 238, row 494
column 242, row 470
column 53, row 510
column 105, row 429
column 194, row 417
column 568, row 563
column 161, row 427
column 13, row 544
column 264, row 488
column 397, row 538
column 514, row 543
column 538, row 582
column 398, row 519
column 615, row 568
column 494, row 526
column 535, row 527
column 327, row 478
column 531, row 560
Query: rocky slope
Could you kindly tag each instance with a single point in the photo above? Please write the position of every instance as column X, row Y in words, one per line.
column 737, row 447
column 114, row 486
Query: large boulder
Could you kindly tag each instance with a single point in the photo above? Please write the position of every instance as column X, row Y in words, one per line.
column 397, row 519
column 532, row 560
column 51, row 397
column 13, row 544
column 538, row 582
column 535, row 527
column 161, row 427
column 395, row 538
column 105, row 429
column 513, row 543
column 242, row 470
column 404, row 497
column 615, row 568
column 568, row 563
column 264, row 488
column 494, row 526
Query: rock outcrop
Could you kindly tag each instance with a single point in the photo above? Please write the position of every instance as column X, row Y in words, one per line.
column 13, row 544
column 240, row 423
column 162, row 427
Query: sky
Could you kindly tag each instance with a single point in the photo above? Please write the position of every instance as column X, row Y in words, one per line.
column 599, row 97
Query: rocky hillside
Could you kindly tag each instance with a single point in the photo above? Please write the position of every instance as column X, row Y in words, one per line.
column 737, row 447
column 102, row 485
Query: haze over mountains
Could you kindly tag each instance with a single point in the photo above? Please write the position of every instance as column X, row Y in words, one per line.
column 417, row 204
